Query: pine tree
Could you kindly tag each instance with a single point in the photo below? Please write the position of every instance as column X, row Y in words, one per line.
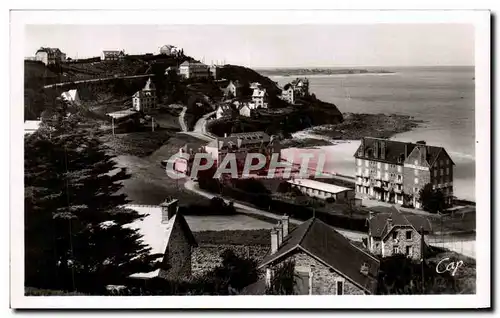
column 75, row 239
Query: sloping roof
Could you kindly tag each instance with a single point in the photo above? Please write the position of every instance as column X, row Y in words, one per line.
column 313, row 184
column 150, row 86
column 122, row 113
column 70, row 96
column 394, row 150
column 378, row 223
column 259, row 92
column 156, row 234
column 331, row 248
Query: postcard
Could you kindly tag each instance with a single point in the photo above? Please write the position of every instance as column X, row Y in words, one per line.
column 275, row 156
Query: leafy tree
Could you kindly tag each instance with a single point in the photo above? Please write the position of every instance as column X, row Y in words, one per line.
column 74, row 234
column 283, row 279
column 432, row 200
column 235, row 272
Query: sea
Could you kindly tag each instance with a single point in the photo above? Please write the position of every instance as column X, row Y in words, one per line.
column 442, row 97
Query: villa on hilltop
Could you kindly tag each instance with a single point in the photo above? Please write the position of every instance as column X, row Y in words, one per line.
column 49, row 56
column 396, row 171
column 113, row 55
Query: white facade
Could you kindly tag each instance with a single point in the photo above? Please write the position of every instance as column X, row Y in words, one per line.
column 246, row 111
column 259, row 98
column 145, row 99
column 194, row 70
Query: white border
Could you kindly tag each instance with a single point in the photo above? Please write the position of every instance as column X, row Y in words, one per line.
column 481, row 20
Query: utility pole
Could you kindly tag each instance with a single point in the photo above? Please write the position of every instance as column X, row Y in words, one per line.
column 422, row 250
column 113, row 125
column 152, row 124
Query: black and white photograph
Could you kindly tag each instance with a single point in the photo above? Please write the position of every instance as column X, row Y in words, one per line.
column 335, row 156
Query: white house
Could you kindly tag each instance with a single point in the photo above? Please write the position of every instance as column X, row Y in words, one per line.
column 259, row 98
column 71, row 97
column 145, row 99
column 246, row 111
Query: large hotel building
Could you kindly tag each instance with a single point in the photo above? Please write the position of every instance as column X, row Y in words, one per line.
column 391, row 170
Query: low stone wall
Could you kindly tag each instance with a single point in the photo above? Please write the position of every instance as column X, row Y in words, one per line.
column 207, row 256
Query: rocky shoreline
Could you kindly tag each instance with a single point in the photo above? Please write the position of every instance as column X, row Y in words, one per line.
column 354, row 127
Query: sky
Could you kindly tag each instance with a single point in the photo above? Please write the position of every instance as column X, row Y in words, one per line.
column 271, row 45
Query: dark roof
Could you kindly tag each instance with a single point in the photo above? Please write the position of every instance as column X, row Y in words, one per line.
column 394, row 150
column 49, row 50
column 378, row 223
column 331, row 248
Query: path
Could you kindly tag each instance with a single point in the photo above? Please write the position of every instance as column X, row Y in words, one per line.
column 200, row 130
column 96, row 80
column 182, row 122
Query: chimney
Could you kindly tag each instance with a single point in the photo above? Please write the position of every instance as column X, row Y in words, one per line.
column 361, row 150
column 279, row 228
column 375, row 149
column 285, row 220
column 168, row 209
column 274, row 241
column 382, row 149
column 389, row 223
column 423, row 153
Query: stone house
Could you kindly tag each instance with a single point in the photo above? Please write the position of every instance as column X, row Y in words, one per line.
column 392, row 171
column 326, row 263
column 145, row 99
column 48, row 55
column 391, row 232
column 168, row 235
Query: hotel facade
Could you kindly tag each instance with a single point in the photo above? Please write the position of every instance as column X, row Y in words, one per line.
column 395, row 171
